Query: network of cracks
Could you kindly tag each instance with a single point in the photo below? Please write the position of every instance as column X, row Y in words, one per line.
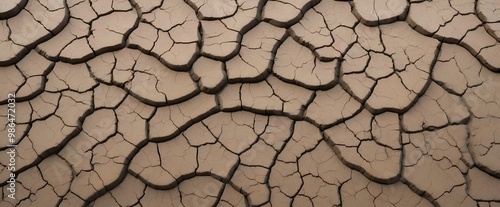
column 251, row 102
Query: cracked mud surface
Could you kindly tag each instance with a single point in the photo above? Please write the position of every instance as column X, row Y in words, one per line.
column 252, row 102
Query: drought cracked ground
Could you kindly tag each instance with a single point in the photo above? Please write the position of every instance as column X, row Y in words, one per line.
column 252, row 102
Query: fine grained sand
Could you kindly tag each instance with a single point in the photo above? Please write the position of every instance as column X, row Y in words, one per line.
column 251, row 102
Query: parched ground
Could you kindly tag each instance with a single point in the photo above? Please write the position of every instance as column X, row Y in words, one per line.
column 251, row 102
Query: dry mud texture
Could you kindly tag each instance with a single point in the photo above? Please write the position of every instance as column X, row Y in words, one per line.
column 252, row 102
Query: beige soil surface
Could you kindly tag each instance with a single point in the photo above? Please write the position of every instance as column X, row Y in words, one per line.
column 251, row 102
